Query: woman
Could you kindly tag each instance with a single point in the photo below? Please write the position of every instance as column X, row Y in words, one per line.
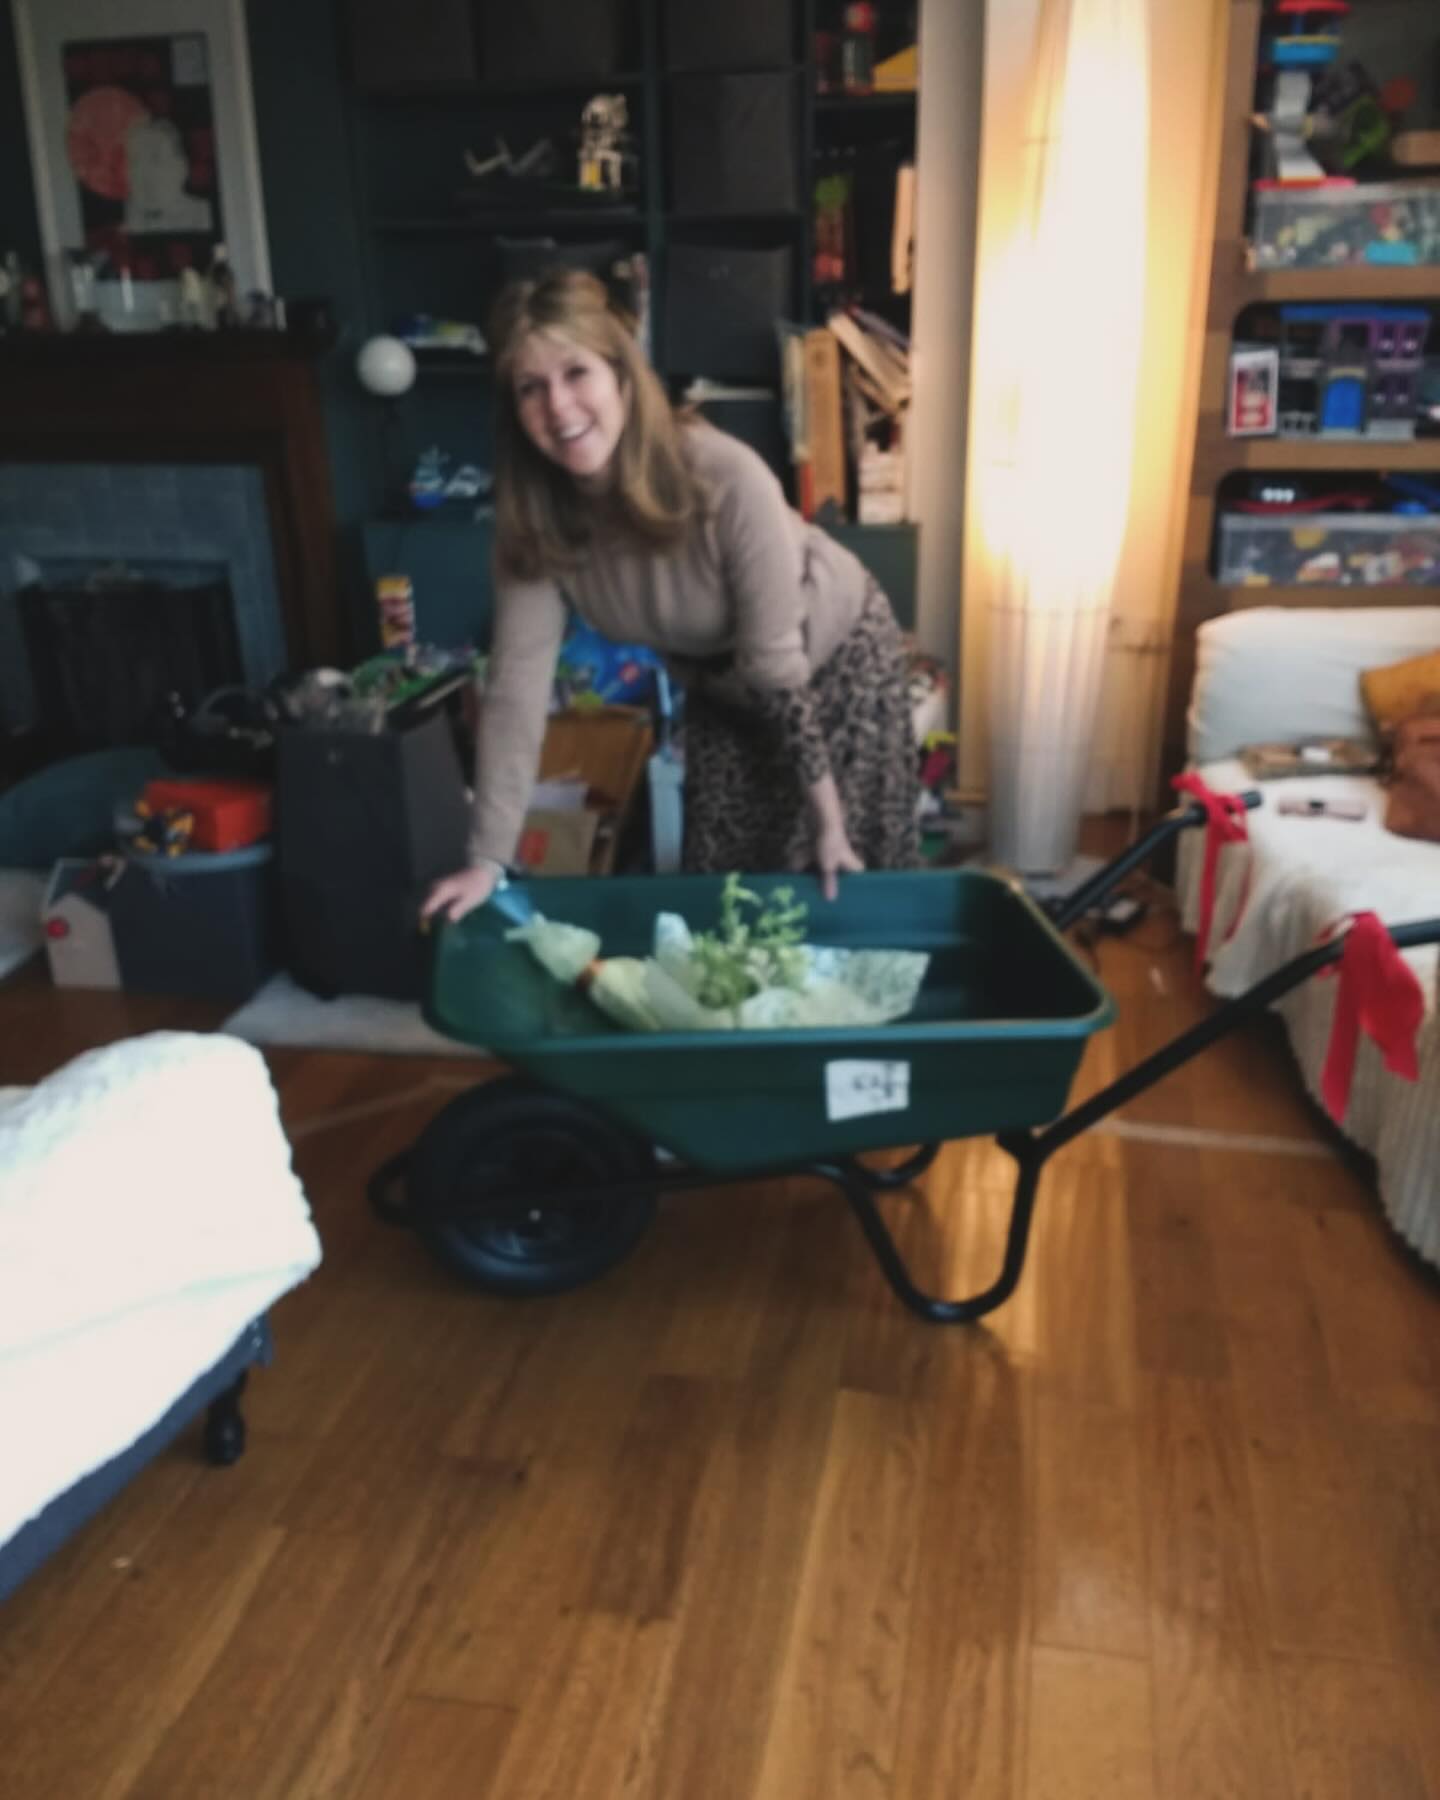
column 661, row 530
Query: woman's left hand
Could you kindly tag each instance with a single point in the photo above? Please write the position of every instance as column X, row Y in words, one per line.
column 834, row 856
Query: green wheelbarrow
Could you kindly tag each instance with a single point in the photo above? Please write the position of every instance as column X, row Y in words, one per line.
column 542, row 1180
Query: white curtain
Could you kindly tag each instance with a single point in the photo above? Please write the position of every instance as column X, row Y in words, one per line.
column 1056, row 468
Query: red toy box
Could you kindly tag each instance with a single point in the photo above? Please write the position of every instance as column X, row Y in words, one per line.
column 229, row 815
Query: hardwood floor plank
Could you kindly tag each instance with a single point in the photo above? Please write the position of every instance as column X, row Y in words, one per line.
column 1425, row 1721
column 836, row 1718
column 1090, row 1731
column 884, row 1353
column 1179, row 1316
column 585, row 1731
column 1323, row 1592
column 1379, row 1315
column 512, row 1589
column 640, row 1555
column 1321, row 1577
column 276, row 1644
column 1272, row 1323
column 46, row 1026
column 726, row 1245
column 1349, row 1731
column 43, row 1620
column 438, row 1750
column 1216, row 1722
column 556, row 1399
column 752, row 1523
column 1091, row 1580
column 186, row 1594
column 323, row 1736
column 1083, row 1279
column 1399, row 1468
column 396, row 1416
column 962, row 1718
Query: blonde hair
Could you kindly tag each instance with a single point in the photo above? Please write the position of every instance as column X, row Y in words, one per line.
column 543, row 521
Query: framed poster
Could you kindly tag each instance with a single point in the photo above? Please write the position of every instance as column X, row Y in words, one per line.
column 142, row 140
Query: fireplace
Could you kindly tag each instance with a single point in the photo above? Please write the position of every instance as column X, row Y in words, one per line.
column 197, row 461
column 110, row 653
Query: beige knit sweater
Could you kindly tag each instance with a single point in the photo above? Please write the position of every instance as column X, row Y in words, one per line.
column 751, row 580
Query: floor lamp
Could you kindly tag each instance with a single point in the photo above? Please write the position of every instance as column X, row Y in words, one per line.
column 1057, row 470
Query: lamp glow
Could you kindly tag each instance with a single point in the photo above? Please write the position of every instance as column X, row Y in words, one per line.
column 1054, row 464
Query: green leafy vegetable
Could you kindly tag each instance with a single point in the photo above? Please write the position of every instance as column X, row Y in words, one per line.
column 744, row 956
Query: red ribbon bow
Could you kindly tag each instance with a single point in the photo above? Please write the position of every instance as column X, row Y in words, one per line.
column 1224, row 824
column 1379, row 995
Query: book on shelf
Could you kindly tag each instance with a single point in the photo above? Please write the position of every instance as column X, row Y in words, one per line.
column 877, row 386
column 902, row 233
column 883, row 366
column 812, row 397
column 825, row 430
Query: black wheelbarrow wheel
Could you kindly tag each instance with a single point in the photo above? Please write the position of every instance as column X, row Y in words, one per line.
column 507, row 1188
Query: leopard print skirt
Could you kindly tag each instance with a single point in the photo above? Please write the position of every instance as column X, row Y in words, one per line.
column 746, row 770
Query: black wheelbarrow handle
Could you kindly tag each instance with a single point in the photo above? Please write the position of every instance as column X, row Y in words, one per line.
column 1032, row 1149
column 1090, row 893
column 1224, row 1019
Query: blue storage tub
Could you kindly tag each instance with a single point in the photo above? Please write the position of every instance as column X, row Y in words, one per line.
column 202, row 924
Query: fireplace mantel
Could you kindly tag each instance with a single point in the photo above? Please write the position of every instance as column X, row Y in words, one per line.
column 247, row 397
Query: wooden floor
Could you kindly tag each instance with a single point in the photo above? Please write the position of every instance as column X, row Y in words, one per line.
column 731, row 1524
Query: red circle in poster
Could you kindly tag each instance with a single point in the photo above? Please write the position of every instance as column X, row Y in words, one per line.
column 95, row 139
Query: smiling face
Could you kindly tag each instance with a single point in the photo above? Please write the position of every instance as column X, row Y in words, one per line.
column 570, row 406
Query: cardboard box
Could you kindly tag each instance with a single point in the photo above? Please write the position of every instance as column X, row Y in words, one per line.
column 75, row 914
column 558, row 843
column 605, row 750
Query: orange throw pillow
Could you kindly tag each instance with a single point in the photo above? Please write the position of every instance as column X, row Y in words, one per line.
column 1400, row 690
column 1413, row 807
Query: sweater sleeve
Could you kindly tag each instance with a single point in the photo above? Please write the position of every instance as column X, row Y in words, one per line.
column 529, row 629
column 763, row 562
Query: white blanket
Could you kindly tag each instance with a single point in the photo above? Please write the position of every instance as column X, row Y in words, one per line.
column 1304, row 875
column 148, row 1211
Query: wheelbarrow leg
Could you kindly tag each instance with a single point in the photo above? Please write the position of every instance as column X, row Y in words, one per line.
column 886, row 1181
column 858, row 1188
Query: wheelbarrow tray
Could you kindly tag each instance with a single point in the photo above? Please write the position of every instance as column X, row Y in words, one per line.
column 992, row 1045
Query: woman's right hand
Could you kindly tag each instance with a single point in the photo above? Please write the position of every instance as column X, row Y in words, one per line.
column 455, row 895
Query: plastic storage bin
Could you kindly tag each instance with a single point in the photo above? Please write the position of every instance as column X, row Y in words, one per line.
column 1387, row 223
column 734, row 144
column 547, row 41
column 1330, row 549
column 198, row 924
column 743, row 34
column 721, row 304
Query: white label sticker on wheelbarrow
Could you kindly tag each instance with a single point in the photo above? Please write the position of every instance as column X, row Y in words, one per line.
column 855, row 1089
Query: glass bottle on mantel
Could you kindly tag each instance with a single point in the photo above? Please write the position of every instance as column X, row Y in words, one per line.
column 10, row 277
column 857, row 48
column 224, row 300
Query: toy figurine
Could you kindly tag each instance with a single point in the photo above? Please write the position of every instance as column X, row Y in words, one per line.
column 604, row 133
column 164, row 830
column 194, row 313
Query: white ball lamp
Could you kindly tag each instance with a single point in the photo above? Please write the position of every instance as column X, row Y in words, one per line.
column 386, row 367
